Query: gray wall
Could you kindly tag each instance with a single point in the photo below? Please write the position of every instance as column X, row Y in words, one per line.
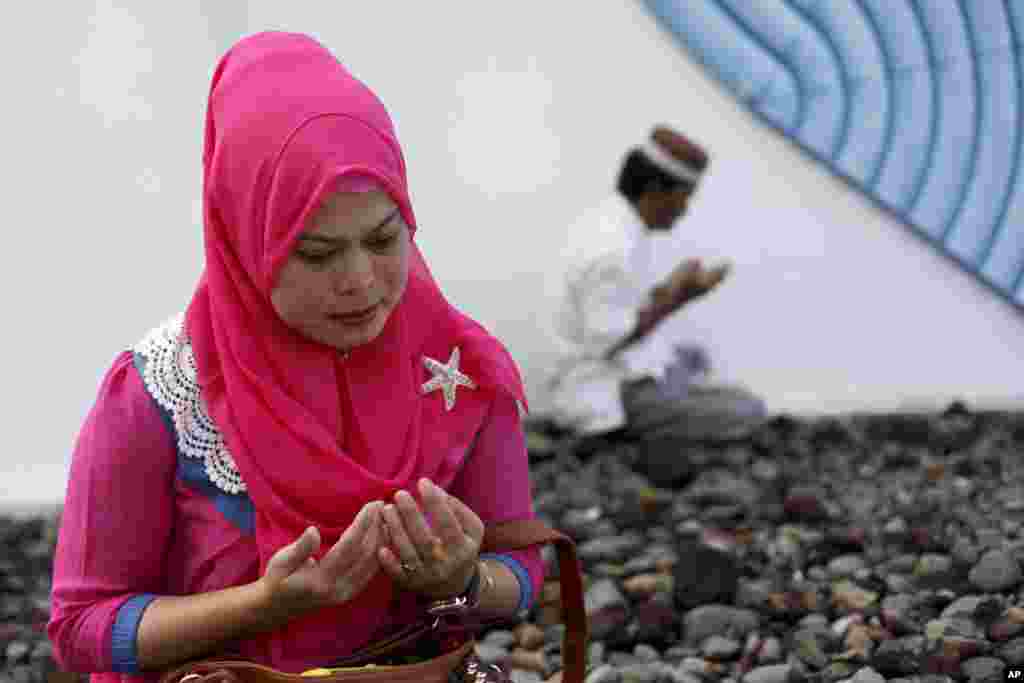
column 514, row 117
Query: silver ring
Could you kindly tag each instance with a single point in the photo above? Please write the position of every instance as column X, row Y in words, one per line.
column 188, row 677
column 409, row 568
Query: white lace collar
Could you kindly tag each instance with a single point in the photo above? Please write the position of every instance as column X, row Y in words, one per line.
column 170, row 377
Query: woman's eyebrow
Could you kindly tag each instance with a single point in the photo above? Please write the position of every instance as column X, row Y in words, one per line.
column 332, row 240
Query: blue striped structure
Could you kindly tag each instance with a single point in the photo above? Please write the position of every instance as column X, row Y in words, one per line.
column 917, row 103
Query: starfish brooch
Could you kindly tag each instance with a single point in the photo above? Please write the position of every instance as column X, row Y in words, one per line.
column 446, row 378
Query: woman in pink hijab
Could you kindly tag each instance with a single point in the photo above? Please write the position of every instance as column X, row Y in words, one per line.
column 307, row 457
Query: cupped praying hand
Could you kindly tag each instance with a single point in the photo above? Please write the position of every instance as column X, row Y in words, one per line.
column 435, row 560
column 294, row 582
column 438, row 560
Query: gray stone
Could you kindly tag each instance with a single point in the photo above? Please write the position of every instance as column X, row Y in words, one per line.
column 933, row 566
column 865, row 574
column 17, row 651
column 1004, row 630
column 995, row 571
column 549, row 556
column 963, row 606
column 43, row 651
column 540, row 445
column 724, row 620
column 554, row 634
column 897, row 605
column 640, row 565
column 608, row 622
column 899, row 583
column 791, row 560
column 983, row 668
column 753, row 593
column 837, row 671
column 657, row 621
column 853, row 596
column 620, row 659
column 817, row 573
column 771, row 651
column 645, row 672
column 842, row 625
column 806, row 504
column 815, row 622
column 738, row 457
column 1013, row 652
column 989, row 611
column 903, row 564
column 991, row 538
column 581, row 523
column 665, row 461
column 607, row 570
column 903, row 613
column 867, row 675
column 705, row 575
column 525, row 676
column 546, row 502
column 604, row 528
column 678, row 675
column 899, row 656
column 646, row 653
column 965, row 553
column 719, row 647
column 772, row 673
column 810, row 646
column 722, row 487
column 846, row 565
column 11, row 607
column 934, row 678
column 582, row 497
column 12, row 583
column 490, row 653
column 694, row 665
column 677, row 653
column 896, row 527
column 604, row 673
column 962, row 627
column 611, row 549
column 500, row 638
column 765, row 469
column 602, row 595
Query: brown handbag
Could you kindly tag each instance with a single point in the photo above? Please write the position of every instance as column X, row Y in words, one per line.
column 457, row 664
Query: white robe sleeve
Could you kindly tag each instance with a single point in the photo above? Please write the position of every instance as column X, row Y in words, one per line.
column 598, row 308
column 606, row 305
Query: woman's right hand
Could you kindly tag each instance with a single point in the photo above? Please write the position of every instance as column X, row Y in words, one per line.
column 294, row 583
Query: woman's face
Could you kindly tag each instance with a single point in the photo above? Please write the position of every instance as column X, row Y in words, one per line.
column 347, row 272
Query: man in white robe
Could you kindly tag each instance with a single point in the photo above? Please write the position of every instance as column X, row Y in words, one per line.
column 618, row 373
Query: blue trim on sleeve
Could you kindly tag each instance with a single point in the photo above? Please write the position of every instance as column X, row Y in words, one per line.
column 125, row 631
column 517, row 568
column 237, row 508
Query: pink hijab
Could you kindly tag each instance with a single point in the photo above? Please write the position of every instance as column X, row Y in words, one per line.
column 315, row 437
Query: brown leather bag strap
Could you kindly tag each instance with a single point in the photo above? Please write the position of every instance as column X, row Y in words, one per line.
column 521, row 534
column 497, row 538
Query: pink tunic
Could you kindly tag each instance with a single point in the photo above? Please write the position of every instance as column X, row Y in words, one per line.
column 140, row 520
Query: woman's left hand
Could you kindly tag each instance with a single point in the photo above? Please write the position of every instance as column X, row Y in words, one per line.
column 439, row 562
